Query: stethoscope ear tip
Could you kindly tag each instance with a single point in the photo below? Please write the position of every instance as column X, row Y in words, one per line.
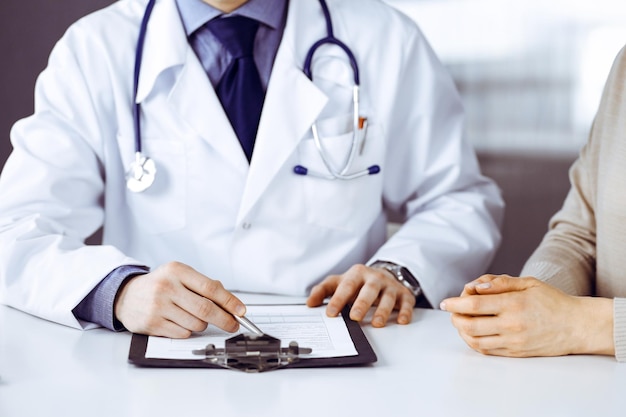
column 300, row 170
column 374, row 169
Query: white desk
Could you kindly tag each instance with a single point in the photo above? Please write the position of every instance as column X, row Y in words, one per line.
column 423, row 369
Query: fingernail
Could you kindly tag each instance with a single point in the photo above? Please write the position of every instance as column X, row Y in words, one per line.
column 403, row 320
column 378, row 322
column 484, row 285
column 331, row 311
column 442, row 305
column 240, row 310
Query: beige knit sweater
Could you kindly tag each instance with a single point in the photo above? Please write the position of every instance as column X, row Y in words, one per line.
column 584, row 252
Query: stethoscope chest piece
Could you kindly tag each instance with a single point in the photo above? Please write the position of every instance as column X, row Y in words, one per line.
column 141, row 173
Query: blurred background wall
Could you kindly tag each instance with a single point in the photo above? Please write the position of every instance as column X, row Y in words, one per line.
column 530, row 74
column 28, row 31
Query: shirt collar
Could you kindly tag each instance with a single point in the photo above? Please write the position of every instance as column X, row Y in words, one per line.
column 195, row 13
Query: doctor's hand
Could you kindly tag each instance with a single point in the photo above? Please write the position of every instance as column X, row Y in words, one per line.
column 364, row 287
column 174, row 300
column 523, row 317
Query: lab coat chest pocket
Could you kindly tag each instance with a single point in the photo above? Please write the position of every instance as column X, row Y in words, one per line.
column 348, row 205
column 161, row 208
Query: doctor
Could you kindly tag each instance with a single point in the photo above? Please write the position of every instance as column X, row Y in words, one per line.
column 302, row 209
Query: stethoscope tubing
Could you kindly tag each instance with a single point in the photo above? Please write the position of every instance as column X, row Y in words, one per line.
column 339, row 174
column 142, row 171
column 137, row 71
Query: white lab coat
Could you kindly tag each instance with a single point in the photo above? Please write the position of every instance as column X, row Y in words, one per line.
column 256, row 227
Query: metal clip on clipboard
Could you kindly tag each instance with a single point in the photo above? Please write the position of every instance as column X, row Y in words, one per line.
column 252, row 353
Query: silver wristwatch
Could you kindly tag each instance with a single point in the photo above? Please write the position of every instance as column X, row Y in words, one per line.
column 402, row 274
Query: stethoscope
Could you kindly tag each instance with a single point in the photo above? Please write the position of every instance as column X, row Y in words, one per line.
column 359, row 124
column 142, row 171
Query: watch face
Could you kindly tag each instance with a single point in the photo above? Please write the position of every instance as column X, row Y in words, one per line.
column 408, row 277
column 402, row 274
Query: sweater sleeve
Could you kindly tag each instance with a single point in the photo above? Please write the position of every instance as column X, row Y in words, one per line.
column 567, row 256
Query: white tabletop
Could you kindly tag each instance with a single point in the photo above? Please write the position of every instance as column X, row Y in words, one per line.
column 423, row 369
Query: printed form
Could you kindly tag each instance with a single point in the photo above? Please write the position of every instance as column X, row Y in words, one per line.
column 310, row 327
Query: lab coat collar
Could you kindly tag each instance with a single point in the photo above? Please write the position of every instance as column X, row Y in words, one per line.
column 165, row 46
column 191, row 94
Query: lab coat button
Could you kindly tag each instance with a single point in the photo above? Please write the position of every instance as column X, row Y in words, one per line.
column 246, row 226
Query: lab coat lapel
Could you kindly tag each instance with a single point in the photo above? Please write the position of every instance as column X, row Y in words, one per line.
column 292, row 104
column 164, row 46
column 192, row 97
column 196, row 102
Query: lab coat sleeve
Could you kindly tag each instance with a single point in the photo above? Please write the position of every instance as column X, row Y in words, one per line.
column 451, row 214
column 51, row 196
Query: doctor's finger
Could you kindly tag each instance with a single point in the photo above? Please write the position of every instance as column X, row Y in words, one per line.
column 212, row 290
column 321, row 291
column 369, row 293
column 406, row 305
column 174, row 331
column 350, row 290
column 185, row 319
column 157, row 326
column 204, row 310
column 386, row 304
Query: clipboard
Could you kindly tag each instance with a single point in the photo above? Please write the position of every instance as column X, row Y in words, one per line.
column 365, row 354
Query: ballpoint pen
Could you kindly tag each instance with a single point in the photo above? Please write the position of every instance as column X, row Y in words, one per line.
column 245, row 322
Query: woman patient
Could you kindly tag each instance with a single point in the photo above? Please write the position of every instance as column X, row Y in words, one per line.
column 571, row 297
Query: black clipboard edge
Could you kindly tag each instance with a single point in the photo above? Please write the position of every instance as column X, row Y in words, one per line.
column 365, row 354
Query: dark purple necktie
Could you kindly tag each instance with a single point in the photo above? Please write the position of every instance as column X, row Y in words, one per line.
column 240, row 90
